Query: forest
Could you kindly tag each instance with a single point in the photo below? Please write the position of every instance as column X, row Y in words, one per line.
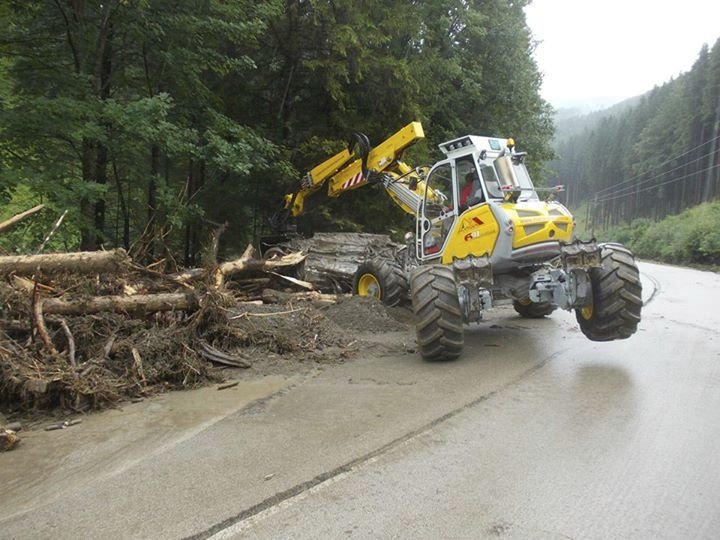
column 649, row 157
column 154, row 122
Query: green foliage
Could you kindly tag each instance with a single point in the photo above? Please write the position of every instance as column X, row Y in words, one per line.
column 692, row 237
column 159, row 119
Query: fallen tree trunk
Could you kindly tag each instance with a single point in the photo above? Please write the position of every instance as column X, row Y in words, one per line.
column 244, row 265
column 271, row 296
column 239, row 266
column 82, row 262
column 7, row 224
column 148, row 303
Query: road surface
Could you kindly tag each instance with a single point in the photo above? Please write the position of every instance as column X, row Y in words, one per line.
column 534, row 432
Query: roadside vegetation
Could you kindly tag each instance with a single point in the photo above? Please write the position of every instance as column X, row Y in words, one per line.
column 689, row 238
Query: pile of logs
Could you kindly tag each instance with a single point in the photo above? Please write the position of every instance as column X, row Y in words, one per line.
column 131, row 302
column 52, row 304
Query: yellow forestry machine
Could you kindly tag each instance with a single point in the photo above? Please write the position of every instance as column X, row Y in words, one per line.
column 482, row 234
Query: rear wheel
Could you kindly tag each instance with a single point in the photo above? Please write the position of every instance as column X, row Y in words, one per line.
column 438, row 318
column 613, row 311
column 382, row 279
column 533, row 310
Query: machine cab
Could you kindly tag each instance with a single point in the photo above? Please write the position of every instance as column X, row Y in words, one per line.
column 477, row 170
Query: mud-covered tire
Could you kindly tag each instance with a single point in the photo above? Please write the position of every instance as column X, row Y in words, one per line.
column 438, row 318
column 614, row 312
column 533, row 310
column 383, row 279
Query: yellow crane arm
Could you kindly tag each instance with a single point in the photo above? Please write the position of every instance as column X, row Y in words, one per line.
column 340, row 174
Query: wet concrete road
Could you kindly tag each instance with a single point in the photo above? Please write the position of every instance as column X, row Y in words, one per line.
column 534, row 433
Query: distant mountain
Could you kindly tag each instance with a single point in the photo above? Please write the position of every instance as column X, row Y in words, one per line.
column 570, row 122
column 586, row 105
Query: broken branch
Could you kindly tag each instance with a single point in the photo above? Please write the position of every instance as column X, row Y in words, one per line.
column 9, row 223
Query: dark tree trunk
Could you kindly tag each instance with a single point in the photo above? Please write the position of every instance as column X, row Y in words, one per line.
column 87, row 236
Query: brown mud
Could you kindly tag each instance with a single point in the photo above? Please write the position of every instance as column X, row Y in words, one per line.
column 118, row 358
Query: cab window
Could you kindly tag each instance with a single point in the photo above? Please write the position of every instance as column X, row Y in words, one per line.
column 490, row 180
column 438, row 209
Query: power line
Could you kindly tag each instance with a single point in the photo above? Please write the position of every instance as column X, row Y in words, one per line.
column 657, row 166
column 656, row 185
column 632, row 189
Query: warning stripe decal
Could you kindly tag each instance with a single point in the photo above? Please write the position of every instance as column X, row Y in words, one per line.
column 353, row 181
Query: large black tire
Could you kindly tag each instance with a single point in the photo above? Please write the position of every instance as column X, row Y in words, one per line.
column 614, row 311
column 383, row 279
column 533, row 310
column 438, row 318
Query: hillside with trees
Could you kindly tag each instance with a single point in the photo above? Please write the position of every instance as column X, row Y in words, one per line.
column 651, row 157
column 152, row 122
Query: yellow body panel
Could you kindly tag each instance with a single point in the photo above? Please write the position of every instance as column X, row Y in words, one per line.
column 475, row 233
column 535, row 222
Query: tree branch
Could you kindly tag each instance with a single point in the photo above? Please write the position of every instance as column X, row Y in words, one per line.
column 68, row 33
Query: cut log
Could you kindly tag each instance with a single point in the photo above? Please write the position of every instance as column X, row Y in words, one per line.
column 271, row 296
column 148, row 303
column 82, row 262
column 7, row 224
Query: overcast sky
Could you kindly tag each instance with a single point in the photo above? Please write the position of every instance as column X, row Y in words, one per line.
column 602, row 51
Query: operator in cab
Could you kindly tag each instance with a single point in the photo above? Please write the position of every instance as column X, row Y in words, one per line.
column 471, row 193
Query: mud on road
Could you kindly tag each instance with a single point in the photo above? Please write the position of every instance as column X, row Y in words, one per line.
column 121, row 359
column 298, row 335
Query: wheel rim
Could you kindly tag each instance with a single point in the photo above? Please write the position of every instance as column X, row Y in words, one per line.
column 368, row 286
column 587, row 312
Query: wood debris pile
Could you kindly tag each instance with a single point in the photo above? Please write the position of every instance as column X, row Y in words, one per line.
column 84, row 330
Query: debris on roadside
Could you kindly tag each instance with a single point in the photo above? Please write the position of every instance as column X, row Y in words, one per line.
column 108, row 330
column 8, row 439
column 63, row 425
column 228, row 385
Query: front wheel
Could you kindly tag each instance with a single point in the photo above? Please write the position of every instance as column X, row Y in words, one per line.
column 613, row 311
column 438, row 318
column 382, row 279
